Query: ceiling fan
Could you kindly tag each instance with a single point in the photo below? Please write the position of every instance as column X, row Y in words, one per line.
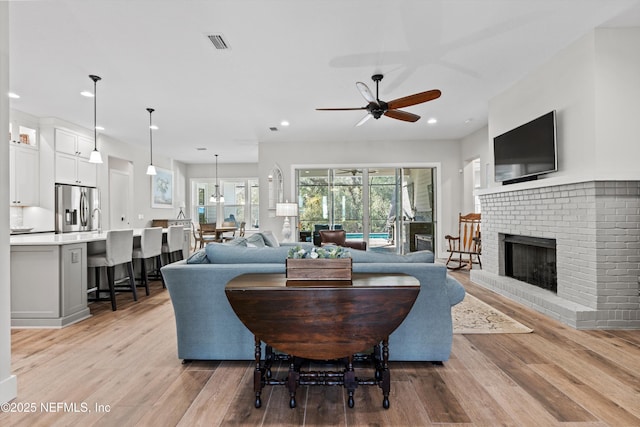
column 354, row 172
column 377, row 108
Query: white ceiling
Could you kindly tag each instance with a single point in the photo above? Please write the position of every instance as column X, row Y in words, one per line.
column 287, row 58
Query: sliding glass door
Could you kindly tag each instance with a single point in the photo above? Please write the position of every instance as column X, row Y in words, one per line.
column 384, row 206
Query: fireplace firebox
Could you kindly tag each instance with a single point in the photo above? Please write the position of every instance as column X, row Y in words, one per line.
column 531, row 260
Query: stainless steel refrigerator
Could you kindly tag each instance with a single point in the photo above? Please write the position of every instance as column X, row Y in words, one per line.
column 77, row 208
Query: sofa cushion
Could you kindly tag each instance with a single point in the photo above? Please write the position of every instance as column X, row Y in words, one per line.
column 220, row 253
column 373, row 256
column 419, row 256
column 228, row 253
column 198, row 257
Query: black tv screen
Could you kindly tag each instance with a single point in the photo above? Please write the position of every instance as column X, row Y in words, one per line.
column 527, row 151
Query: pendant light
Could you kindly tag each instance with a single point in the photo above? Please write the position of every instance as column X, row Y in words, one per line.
column 217, row 195
column 151, row 170
column 95, row 156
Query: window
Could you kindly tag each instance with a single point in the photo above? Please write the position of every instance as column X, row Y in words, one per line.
column 477, row 183
column 241, row 201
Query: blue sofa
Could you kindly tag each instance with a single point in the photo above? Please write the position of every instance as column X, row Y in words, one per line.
column 208, row 329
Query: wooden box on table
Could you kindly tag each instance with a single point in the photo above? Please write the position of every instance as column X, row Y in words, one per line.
column 306, row 269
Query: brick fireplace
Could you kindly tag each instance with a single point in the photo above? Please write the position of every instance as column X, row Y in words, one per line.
column 596, row 228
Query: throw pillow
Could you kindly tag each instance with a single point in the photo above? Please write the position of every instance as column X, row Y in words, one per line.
column 240, row 241
column 270, row 239
column 199, row 257
column 257, row 240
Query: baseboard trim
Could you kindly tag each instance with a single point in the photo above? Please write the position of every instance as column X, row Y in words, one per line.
column 8, row 389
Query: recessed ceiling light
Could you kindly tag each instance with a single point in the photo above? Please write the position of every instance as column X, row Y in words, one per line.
column 99, row 128
column 284, row 123
column 432, row 121
column 13, row 95
column 87, row 94
column 154, row 127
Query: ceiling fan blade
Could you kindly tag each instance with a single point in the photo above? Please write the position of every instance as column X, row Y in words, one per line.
column 340, row 109
column 363, row 120
column 366, row 93
column 416, row 98
column 402, row 115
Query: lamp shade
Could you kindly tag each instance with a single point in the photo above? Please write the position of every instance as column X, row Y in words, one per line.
column 286, row 209
column 95, row 157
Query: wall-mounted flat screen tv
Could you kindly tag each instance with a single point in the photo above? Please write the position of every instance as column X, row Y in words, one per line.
column 527, row 151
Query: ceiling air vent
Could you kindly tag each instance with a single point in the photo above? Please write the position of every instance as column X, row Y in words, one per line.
column 218, row 41
column 273, row 129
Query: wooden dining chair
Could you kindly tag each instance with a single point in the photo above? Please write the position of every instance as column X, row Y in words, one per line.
column 466, row 245
column 229, row 225
column 197, row 238
column 207, row 233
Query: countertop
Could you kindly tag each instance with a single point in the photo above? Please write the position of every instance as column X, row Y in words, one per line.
column 48, row 239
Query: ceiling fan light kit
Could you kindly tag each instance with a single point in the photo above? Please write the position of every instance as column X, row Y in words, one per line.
column 377, row 108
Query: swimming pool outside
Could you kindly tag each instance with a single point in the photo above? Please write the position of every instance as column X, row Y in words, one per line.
column 371, row 235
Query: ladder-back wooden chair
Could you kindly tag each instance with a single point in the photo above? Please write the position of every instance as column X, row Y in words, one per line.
column 206, row 234
column 467, row 244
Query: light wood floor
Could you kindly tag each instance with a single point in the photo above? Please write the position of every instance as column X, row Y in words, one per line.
column 121, row 367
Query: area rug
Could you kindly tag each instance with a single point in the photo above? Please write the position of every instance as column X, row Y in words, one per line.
column 473, row 316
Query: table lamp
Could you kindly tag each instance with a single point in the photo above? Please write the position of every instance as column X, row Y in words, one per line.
column 286, row 210
column 181, row 213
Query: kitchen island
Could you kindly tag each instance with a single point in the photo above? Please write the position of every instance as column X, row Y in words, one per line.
column 49, row 278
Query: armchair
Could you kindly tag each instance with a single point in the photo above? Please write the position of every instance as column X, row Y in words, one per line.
column 339, row 237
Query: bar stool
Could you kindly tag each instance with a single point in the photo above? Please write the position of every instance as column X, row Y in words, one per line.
column 118, row 251
column 173, row 246
column 150, row 247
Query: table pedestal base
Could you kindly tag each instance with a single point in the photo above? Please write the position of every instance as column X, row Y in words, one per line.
column 297, row 377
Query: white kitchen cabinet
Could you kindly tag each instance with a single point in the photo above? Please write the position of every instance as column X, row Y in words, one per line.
column 72, row 164
column 86, row 173
column 24, row 176
column 48, row 285
column 23, row 134
column 73, row 279
column 34, row 290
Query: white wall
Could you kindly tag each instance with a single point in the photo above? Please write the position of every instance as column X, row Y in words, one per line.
column 566, row 84
column 617, row 106
column 337, row 153
column 474, row 146
column 594, row 87
column 8, row 382
column 117, row 152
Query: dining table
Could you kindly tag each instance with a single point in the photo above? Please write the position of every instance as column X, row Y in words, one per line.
column 224, row 229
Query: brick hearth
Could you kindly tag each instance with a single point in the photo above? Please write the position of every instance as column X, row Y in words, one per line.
column 596, row 225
